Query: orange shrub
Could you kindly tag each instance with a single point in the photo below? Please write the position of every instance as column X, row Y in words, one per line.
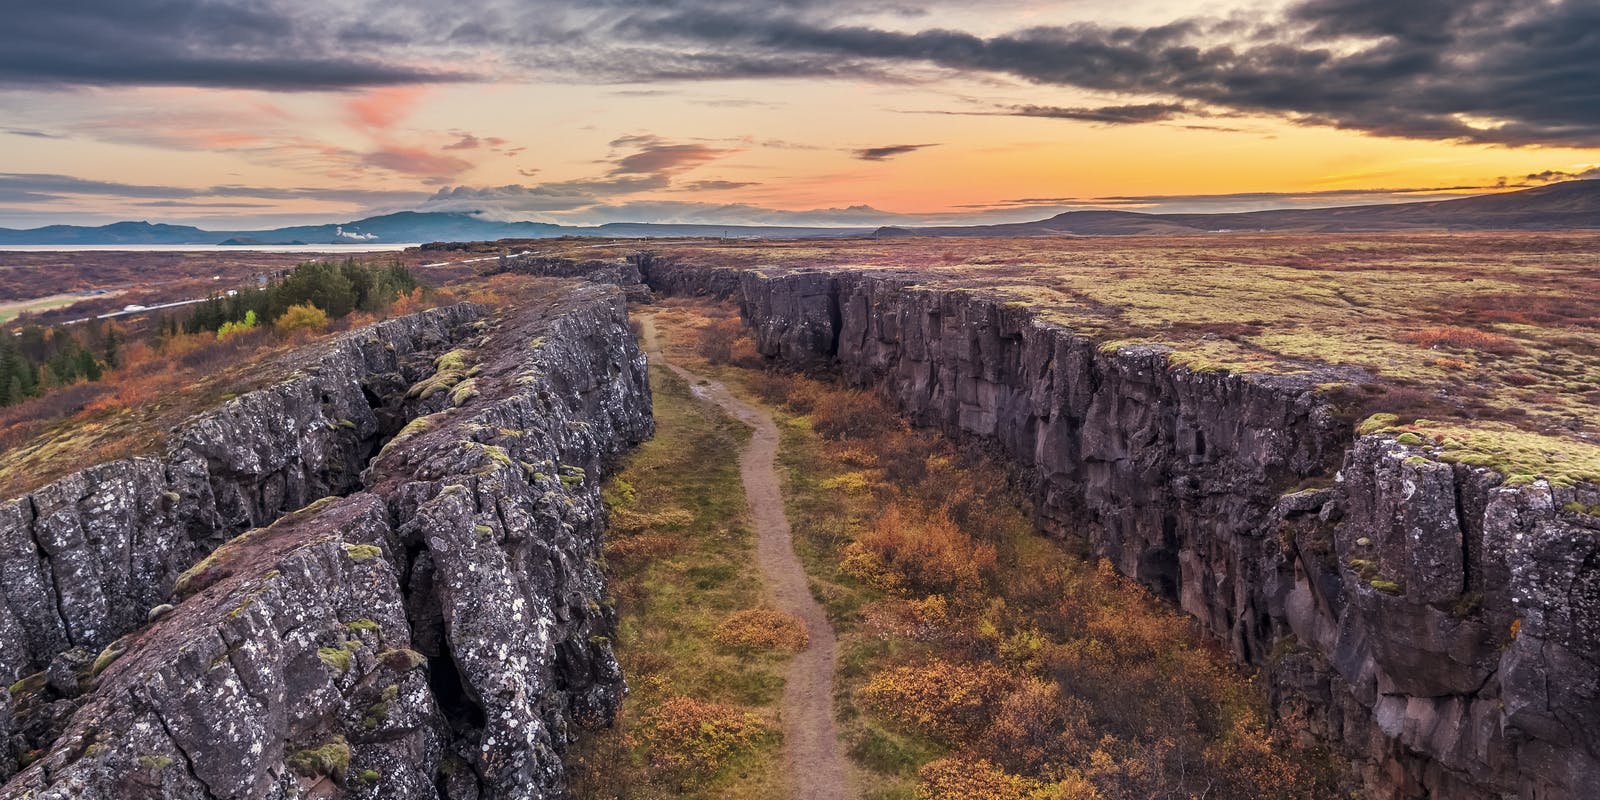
column 929, row 555
column 1036, row 726
column 947, row 701
column 977, row 779
column 695, row 739
column 725, row 341
column 851, row 414
column 1463, row 339
column 762, row 630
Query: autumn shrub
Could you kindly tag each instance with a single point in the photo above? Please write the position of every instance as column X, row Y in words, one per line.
column 927, row 554
column 851, row 414
column 302, row 317
column 977, row 779
column 925, row 620
column 229, row 330
column 1464, row 339
column 762, row 630
column 726, row 341
column 1036, row 727
column 695, row 739
column 944, row 700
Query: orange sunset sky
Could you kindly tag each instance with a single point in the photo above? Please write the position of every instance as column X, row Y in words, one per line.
column 275, row 112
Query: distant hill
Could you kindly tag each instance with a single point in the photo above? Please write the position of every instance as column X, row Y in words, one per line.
column 405, row 226
column 1572, row 204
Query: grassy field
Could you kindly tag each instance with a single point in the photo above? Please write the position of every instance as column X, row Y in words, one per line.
column 700, row 719
column 1493, row 339
column 980, row 661
column 9, row 311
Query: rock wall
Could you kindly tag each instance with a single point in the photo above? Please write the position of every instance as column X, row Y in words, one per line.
column 84, row 558
column 1433, row 623
column 438, row 633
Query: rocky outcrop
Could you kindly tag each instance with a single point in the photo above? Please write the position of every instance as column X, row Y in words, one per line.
column 1434, row 623
column 623, row 272
column 84, row 558
column 437, row 633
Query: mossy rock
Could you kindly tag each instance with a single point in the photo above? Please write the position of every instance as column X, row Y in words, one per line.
column 331, row 759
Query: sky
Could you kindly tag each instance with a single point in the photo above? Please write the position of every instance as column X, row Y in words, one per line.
column 262, row 113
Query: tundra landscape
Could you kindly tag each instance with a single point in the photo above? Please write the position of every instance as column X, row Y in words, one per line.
column 813, row 400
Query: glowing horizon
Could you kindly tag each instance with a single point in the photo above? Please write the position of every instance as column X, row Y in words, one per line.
column 815, row 113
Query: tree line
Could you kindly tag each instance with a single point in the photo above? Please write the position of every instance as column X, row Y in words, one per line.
column 35, row 359
column 335, row 289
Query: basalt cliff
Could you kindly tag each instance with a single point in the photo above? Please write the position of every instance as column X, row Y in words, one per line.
column 1435, row 623
column 378, row 578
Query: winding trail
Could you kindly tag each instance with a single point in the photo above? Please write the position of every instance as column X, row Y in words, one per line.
column 812, row 752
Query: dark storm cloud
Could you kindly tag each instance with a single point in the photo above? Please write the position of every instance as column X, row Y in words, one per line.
column 889, row 151
column 1516, row 72
column 1109, row 115
column 256, row 44
column 55, row 187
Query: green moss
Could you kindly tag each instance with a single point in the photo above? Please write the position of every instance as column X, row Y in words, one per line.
column 380, row 709
column 331, row 759
column 369, row 777
column 362, row 552
column 414, row 428
column 346, row 424
column 29, row 684
column 1522, row 456
column 464, row 391
column 450, row 370
column 339, row 658
column 1376, row 423
column 155, row 762
column 1387, row 587
column 362, row 625
column 110, row 654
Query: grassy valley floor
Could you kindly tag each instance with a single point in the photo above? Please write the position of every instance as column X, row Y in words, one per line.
column 705, row 674
column 978, row 660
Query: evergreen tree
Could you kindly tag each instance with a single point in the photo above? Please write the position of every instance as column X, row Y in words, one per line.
column 113, row 347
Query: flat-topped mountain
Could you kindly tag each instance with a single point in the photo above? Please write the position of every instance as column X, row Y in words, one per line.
column 1567, row 205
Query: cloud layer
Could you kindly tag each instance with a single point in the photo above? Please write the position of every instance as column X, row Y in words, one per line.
column 1516, row 72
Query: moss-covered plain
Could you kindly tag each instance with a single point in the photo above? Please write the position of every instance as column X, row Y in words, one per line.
column 1464, row 329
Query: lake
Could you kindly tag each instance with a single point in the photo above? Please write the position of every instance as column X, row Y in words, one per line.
column 206, row 248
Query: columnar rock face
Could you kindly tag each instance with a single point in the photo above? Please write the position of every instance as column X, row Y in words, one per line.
column 1437, row 625
column 84, row 558
column 439, row 632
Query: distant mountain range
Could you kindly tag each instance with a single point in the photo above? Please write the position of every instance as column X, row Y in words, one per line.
column 405, row 226
column 1572, row 204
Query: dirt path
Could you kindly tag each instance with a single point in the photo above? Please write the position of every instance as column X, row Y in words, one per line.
column 811, row 739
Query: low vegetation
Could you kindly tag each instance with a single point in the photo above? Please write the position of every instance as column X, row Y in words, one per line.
column 1464, row 329
column 703, row 655
column 71, row 396
column 979, row 660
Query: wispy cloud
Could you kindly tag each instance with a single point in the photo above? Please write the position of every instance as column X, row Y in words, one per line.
column 887, row 152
